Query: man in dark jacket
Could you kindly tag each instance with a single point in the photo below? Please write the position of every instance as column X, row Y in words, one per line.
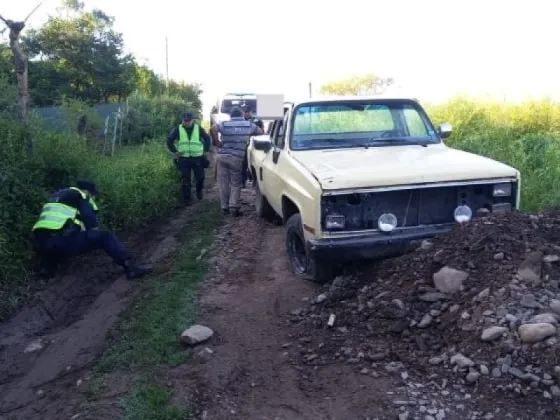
column 67, row 227
column 191, row 150
column 248, row 115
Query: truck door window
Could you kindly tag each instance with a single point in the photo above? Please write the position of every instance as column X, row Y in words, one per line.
column 280, row 135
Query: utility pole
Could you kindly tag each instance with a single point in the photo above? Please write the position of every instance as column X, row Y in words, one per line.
column 310, row 90
column 166, row 64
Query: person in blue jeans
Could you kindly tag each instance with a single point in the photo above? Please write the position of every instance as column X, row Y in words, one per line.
column 67, row 227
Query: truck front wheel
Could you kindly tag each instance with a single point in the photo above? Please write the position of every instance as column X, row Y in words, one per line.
column 302, row 263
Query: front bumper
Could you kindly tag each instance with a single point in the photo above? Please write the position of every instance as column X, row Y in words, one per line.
column 372, row 246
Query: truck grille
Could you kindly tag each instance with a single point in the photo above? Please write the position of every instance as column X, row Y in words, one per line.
column 412, row 207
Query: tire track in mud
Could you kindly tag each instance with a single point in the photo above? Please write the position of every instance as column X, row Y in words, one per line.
column 252, row 372
column 68, row 322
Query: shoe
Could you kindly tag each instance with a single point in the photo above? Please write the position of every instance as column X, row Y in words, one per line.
column 235, row 212
column 225, row 212
column 199, row 195
column 133, row 271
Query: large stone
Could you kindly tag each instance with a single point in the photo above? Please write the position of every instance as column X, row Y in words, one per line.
column 547, row 318
column 555, row 306
column 461, row 361
column 196, row 334
column 449, row 280
column 492, row 333
column 530, row 269
column 533, row 333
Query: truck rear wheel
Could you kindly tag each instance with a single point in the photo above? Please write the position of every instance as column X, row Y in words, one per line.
column 302, row 263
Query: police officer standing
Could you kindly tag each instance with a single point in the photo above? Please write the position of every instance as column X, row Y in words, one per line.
column 67, row 227
column 190, row 150
column 248, row 115
column 231, row 153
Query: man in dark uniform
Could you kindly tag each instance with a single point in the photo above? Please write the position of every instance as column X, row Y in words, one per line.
column 67, row 227
column 193, row 145
column 246, row 174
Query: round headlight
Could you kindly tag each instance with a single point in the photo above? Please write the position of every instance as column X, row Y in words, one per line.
column 462, row 214
column 387, row 222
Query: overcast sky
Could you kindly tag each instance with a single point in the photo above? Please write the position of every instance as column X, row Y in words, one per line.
column 432, row 48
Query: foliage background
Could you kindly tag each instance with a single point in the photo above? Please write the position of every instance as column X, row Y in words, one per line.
column 78, row 67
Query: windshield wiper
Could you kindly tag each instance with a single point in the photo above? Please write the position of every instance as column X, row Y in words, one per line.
column 381, row 140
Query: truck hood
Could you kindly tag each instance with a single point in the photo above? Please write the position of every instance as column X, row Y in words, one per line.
column 397, row 165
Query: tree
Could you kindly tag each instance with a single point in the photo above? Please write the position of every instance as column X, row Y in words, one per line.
column 367, row 84
column 20, row 58
column 84, row 56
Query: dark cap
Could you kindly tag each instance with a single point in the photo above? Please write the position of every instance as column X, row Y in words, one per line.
column 187, row 116
column 88, row 186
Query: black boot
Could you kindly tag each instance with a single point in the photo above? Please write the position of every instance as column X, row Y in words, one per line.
column 133, row 271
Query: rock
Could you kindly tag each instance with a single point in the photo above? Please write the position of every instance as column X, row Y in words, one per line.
column 34, row 346
column 454, row 308
column 403, row 416
column 551, row 258
column 438, row 256
column 496, row 373
column 461, row 361
column 499, row 256
column 431, row 297
column 425, row 321
column 546, row 318
column 398, row 303
column 426, row 245
column 472, row 376
column 435, row 360
column 530, row 301
column 555, row 306
column 530, row 269
column 484, row 294
column 493, row 333
column 533, row 333
column 512, row 319
column 555, row 391
column 321, row 298
column 484, row 370
column 196, row 334
column 449, row 280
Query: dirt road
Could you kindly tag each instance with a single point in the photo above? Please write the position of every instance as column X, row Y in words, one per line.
column 260, row 364
column 252, row 372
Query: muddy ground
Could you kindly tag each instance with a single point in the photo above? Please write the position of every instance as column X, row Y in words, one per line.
column 256, row 367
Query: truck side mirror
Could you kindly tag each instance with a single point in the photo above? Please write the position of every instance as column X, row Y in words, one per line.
column 445, row 130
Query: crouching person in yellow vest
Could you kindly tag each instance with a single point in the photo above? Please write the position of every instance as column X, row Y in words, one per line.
column 67, row 227
column 190, row 144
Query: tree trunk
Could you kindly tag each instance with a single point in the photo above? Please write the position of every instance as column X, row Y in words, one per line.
column 21, row 67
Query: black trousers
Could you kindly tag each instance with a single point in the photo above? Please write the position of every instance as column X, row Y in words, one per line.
column 185, row 167
column 245, row 173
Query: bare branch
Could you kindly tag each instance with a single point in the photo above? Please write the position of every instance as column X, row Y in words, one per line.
column 4, row 20
column 33, row 11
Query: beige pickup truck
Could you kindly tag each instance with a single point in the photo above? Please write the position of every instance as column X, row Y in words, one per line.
column 365, row 177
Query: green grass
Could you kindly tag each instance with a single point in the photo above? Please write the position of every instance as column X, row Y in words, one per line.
column 151, row 402
column 149, row 334
column 147, row 339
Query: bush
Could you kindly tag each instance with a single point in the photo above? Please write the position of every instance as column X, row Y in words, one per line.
column 136, row 185
column 149, row 118
column 525, row 136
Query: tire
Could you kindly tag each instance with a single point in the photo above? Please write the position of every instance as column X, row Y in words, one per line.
column 302, row 262
column 264, row 211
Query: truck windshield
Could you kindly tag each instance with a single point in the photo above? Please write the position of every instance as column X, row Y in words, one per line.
column 360, row 124
column 228, row 104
